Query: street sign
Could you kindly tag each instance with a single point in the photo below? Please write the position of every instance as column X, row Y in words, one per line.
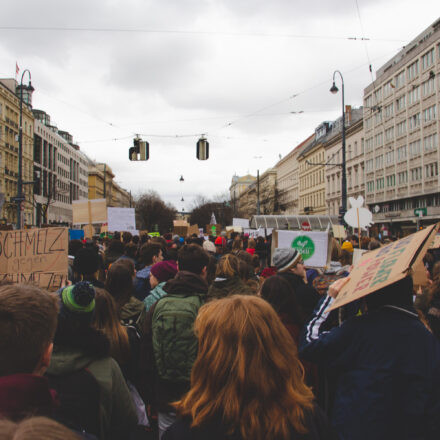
column 305, row 226
column 420, row 212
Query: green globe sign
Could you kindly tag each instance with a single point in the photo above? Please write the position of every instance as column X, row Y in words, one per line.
column 304, row 245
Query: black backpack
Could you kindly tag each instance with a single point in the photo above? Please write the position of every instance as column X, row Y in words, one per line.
column 79, row 396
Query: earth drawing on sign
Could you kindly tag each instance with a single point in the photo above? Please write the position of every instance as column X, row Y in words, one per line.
column 304, row 245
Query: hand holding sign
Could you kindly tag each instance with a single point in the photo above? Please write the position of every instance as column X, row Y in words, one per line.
column 336, row 287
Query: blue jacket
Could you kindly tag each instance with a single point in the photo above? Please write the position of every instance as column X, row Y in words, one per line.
column 142, row 283
column 387, row 369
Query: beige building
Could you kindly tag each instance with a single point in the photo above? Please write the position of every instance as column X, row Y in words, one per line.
column 311, row 173
column 354, row 147
column 9, row 127
column 401, row 125
column 288, row 180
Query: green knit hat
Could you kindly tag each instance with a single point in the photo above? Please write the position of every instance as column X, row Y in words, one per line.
column 78, row 301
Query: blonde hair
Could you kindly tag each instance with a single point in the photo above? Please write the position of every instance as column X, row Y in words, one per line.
column 247, row 373
column 227, row 266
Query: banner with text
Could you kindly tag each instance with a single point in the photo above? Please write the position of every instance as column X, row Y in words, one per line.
column 121, row 219
column 37, row 256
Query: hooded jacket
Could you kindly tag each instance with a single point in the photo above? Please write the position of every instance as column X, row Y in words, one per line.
column 133, row 313
column 89, row 349
column 223, row 287
column 386, row 367
column 142, row 283
column 155, row 295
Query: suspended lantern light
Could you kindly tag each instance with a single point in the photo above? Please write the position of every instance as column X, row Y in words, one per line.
column 182, row 200
column 181, row 178
column 202, row 149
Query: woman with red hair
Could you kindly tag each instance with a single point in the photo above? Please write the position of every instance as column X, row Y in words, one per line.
column 247, row 382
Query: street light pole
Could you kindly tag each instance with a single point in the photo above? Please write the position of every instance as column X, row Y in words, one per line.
column 334, row 90
column 20, row 197
column 258, row 192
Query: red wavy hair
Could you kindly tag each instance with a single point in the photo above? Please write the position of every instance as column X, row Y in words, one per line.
column 247, row 373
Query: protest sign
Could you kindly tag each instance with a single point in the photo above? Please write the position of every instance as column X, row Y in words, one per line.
column 338, row 231
column 436, row 242
column 89, row 211
column 193, row 229
column 357, row 254
column 37, row 256
column 386, row 265
column 121, row 219
column 242, row 222
column 313, row 246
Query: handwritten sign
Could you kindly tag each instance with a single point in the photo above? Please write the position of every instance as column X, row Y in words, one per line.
column 386, row 265
column 37, row 256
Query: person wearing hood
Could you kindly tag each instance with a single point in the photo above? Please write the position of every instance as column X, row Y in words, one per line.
column 150, row 253
column 160, row 273
column 228, row 281
column 91, row 388
column 291, row 267
column 385, row 364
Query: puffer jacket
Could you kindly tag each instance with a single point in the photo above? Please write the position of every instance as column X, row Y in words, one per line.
column 223, row 287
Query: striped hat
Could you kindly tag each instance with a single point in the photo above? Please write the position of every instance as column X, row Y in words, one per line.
column 78, row 301
column 285, row 258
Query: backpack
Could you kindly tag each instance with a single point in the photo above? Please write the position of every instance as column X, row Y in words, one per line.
column 79, row 396
column 174, row 341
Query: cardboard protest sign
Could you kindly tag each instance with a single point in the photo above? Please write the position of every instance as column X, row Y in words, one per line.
column 338, row 231
column 37, row 256
column 386, row 265
column 89, row 211
column 313, row 246
column 193, row 229
column 121, row 219
column 436, row 242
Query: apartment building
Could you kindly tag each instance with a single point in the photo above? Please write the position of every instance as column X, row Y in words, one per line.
column 9, row 128
column 354, row 158
column 288, row 179
column 401, row 126
column 60, row 172
column 238, row 186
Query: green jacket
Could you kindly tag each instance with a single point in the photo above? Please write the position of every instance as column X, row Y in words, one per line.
column 133, row 313
column 223, row 287
column 117, row 411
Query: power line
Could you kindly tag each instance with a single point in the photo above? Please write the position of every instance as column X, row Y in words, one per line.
column 190, row 32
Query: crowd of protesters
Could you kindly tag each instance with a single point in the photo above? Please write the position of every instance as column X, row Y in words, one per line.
column 179, row 338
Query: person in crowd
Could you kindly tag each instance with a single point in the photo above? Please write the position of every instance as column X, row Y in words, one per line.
column 28, row 320
column 126, row 237
column 220, row 246
column 247, row 382
column 91, row 388
column 115, row 250
column 245, row 273
column 237, row 244
column 119, row 284
column 169, row 346
column 160, row 273
column 251, row 246
column 347, row 246
column 228, row 281
column 290, row 265
column 385, row 365
column 354, row 240
column 86, row 266
column 261, row 251
column 35, row 428
column 209, row 247
column 150, row 253
column 130, row 251
column 74, row 247
column 211, row 269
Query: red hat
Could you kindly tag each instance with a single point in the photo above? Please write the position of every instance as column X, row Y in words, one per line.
column 268, row 272
column 220, row 241
column 164, row 270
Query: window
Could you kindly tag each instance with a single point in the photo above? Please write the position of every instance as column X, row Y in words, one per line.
column 379, row 161
column 416, row 174
column 369, row 165
column 389, row 134
column 370, row 186
column 428, row 59
column 429, row 114
column 387, row 88
column 415, row 148
column 414, row 121
column 401, row 128
column 391, row 180
column 368, row 123
column 380, row 183
column 368, row 144
column 414, row 95
column 413, row 70
column 402, row 177
column 355, row 152
column 369, row 101
column 431, row 170
column 389, row 110
column 430, row 142
column 378, row 139
column 400, row 103
column 389, row 157
column 378, row 117
column 428, row 87
column 400, row 79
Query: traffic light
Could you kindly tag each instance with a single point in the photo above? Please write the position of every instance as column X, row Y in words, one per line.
column 133, row 152
column 202, row 149
column 144, row 150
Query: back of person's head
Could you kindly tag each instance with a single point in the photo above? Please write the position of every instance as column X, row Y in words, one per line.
column 346, row 257
column 148, row 251
column 28, row 319
column 278, row 292
column 115, row 247
column 35, row 428
column 247, row 373
column 336, row 250
column 436, row 270
column 398, row 294
column 161, row 241
column 130, row 250
column 135, row 239
column 211, row 269
column 260, row 240
column 126, row 237
column 227, row 266
column 251, row 243
column 75, row 246
column 237, row 244
column 119, row 282
column 86, row 262
column 106, row 319
column 245, row 256
column 373, row 244
column 244, row 270
column 192, row 258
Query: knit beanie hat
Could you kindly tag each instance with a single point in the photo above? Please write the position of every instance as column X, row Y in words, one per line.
column 164, row 270
column 209, row 246
column 284, row 258
column 78, row 301
column 268, row 272
column 347, row 246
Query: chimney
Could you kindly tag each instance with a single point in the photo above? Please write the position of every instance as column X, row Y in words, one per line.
column 348, row 114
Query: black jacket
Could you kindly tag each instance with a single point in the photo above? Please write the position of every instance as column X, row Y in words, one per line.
column 317, row 425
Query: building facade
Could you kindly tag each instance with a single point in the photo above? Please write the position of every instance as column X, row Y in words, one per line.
column 60, row 173
column 9, row 129
column 238, row 186
column 401, row 126
column 354, row 157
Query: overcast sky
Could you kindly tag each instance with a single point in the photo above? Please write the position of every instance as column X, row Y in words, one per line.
column 171, row 70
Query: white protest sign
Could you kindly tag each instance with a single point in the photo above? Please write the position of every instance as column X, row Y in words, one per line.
column 313, row 246
column 358, row 216
column 243, row 222
column 121, row 219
